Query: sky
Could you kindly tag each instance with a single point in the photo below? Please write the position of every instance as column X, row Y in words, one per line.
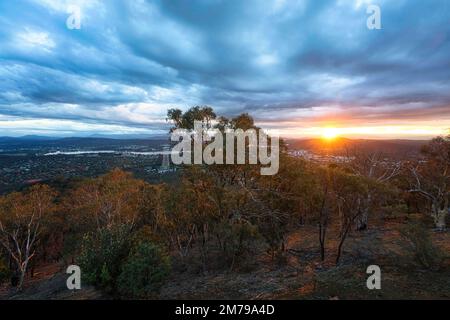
column 299, row 67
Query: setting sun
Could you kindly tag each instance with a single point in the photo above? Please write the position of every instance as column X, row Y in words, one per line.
column 330, row 133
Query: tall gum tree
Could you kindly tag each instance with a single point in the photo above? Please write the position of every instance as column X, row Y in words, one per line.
column 431, row 178
column 376, row 167
column 22, row 216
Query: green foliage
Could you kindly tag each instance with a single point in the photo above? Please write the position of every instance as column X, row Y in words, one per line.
column 106, row 280
column 418, row 237
column 186, row 120
column 102, row 255
column 71, row 245
column 145, row 234
column 144, row 271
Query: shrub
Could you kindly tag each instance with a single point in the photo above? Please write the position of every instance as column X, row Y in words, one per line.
column 145, row 234
column 5, row 273
column 274, row 230
column 144, row 271
column 102, row 255
column 425, row 253
column 71, row 246
column 343, row 281
column 238, row 241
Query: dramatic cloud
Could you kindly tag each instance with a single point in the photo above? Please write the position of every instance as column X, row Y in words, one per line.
column 292, row 64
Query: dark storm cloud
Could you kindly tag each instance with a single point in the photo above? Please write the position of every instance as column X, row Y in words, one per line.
column 277, row 59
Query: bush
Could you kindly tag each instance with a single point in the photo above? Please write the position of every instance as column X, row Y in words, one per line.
column 274, row 230
column 238, row 241
column 425, row 253
column 344, row 282
column 102, row 255
column 71, row 247
column 395, row 212
column 144, row 271
column 5, row 273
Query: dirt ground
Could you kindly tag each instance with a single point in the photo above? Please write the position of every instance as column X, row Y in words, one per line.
column 298, row 274
column 301, row 275
column 47, row 283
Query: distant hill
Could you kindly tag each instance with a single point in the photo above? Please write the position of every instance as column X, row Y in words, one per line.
column 93, row 143
column 131, row 136
column 28, row 138
column 343, row 146
column 94, row 136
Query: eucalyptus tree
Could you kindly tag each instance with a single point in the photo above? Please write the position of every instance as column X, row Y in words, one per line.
column 22, row 219
column 430, row 178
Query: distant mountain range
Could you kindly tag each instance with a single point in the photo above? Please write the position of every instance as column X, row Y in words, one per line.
column 28, row 138
column 97, row 142
column 348, row 146
column 94, row 136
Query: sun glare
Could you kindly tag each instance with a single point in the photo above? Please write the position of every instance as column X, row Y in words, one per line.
column 330, row 133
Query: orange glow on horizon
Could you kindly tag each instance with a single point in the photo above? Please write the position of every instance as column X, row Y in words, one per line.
column 419, row 131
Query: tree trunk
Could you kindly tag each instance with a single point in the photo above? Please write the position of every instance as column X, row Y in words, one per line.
column 322, row 235
column 339, row 248
column 323, row 223
column 363, row 220
column 344, row 234
column 439, row 216
column 322, row 251
column 22, row 273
